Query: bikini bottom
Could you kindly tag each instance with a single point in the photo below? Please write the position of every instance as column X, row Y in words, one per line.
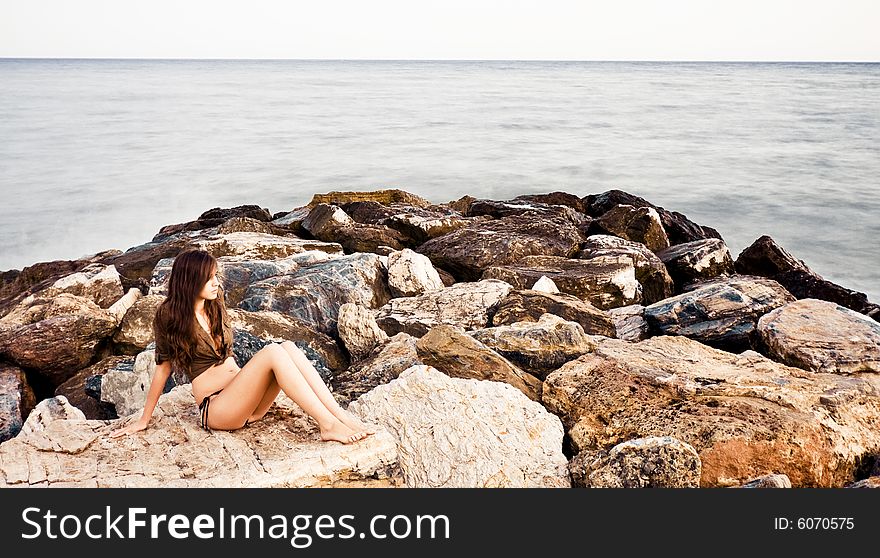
column 203, row 411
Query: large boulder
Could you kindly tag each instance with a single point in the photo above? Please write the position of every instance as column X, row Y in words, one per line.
column 655, row 462
column 331, row 224
column 97, row 282
column 767, row 259
column 423, row 224
column 384, row 364
column 555, row 198
column 411, row 274
column 137, row 263
column 466, row 305
column 537, row 347
column 385, row 197
column 650, row 271
column 696, row 261
column 81, row 389
column 746, row 415
column 455, row 353
column 467, row 433
column 629, row 323
column 467, row 252
column 215, row 217
column 639, row 224
column 722, row 313
column 136, row 330
column 604, row 281
column 283, row 449
column 530, row 305
column 821, row 336
column 16, row 400
column 261, row 246
column 499, row 209
column 313, row 294
column 359, row 331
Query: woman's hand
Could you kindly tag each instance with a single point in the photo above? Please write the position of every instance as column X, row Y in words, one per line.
column 136, row 426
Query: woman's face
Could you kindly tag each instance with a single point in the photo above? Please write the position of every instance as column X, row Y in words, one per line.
column 211, row 290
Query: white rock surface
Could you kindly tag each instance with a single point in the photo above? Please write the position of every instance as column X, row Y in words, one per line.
column 411, row 274
column 358, row 330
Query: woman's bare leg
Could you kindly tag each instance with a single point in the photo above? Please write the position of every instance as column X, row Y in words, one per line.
column 240, row 397
column 320, row 388
column 268, row 398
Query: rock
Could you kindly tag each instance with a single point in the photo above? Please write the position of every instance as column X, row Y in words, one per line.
column 359, row 331
column 466, row 433
column 383, row 365
column 460, row 356
column 722, row 314
column 80, row 388
column 16, row 401
column 331, row 224
column 466, row 305
column 650, row 271
column 313, row 294
column 555, row 198
column 629, row 323
column 120, row 308
column 873, row 482
column 744, row 414
column 604, row 281
column 324, row 218
column 639, row 224
column 821, row 336
column 292, row 220
column 696, row 261
column 530, row 305
column 283, row 449
column 61, row 335
column 767, row 259
column 246, row 224
column 126, row 385
column 411, row 274
column 99, row 283
column 537, row 347
column 679, row 228
column 500, row 209
column 461, row 205
column 41, row 432
column 654, row 462
column 545, row 285
column 468, row 251
column 260, row 246
column 213, row 218
column 423, row 224
column 136, row 330
column 385, row 197
column 446, row 277
column 274, row 326
column 769, row 481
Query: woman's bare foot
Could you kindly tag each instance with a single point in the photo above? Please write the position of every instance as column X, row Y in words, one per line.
column 355, row 423
column 340, row 432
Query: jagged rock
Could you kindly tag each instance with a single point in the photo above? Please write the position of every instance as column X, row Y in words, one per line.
column 873, row 482
column 411, row 274
column 125, row 386
column 767, row 259
column 639, row 224
column 650, row 271
column 79, row 389
column 744, row 414
column 99, row 283
column 461, row 205
column 331, row 224
column 120, row 308
column 320, row 348
column 61, row 336
column 697, row 261
column 260, row 246
column 137, row 263
column 214, row 218
column 654, row 462
column 385, row 197
column 40, row 431
column 246, row 224
column 466, row 433
column 537, row 347
column 423, row 224
column 722, row 313
column 16, row 401
column 283, row 449
column 465, row 305
column 460, row 356
column 530, row 305
column 468, row 251
column 679, row 228
column 629, row 323
column 136, row 331
column 545, row 285
column 359, row 331
column 500, row 209
column 821, row 336
column 313, row 294
column 384, row 364
column 604, row 281
column 769, row 481
column 555, row 198
column 292, row 220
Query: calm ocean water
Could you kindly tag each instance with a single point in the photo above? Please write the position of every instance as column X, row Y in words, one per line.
column 101, row 154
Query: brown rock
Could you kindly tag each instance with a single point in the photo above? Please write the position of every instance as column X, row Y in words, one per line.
column 655, row 462
column 385, row 197
column 77, row 389
column 384, row 364
column 555, row 198
column 650, row 271
column 639, row 224
column 695, row 261
column 527, row 305
column 136, row 331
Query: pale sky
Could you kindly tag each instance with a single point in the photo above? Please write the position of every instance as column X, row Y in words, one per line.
column 784, row 30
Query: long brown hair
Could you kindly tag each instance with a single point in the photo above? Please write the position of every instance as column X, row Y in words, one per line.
column 176, row 315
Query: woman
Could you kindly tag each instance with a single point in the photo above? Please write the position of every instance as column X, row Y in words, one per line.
column 191, row 327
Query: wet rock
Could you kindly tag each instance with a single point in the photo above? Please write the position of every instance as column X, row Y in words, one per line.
column 136, row 331
column 639, row 224
column 359, row 331
column 80, row 390
column 722, row 314
column 604, row 281
column 696, row 261
column 537, row 347
column 629, row 323
column 385, row 197
column 454, row 353
column 744, row 414
column 16, row 400
column 821, row 336
column 384, row 364
column 650, row 271
column 466, row 305
column 411, row 274
column 467, row 433
column 769, row 481
column 530, row 305
column 654, row 462
column 467, row 252
column 767, row 259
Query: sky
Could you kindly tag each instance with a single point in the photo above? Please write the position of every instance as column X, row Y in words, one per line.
column 723, row 30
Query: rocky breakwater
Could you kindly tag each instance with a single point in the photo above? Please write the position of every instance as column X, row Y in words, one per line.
column 588, row 341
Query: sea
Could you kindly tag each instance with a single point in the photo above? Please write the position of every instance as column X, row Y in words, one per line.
column 100, row 154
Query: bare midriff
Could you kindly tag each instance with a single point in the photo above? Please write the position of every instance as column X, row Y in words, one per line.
column 214, row 378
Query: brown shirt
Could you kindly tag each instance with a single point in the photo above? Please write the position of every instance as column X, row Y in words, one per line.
column 206, row 354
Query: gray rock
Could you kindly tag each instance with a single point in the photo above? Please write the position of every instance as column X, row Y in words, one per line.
column 650, row 271
column 16, row 401
column 530, row 305
column 630, row 323
column 697, row 261
column 769, row 481
column 83, row 390
column 384, row 364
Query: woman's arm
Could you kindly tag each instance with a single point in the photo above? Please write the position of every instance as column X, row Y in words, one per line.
column 157, row 384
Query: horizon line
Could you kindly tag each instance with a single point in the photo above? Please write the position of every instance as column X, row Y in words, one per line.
column 678, row 61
